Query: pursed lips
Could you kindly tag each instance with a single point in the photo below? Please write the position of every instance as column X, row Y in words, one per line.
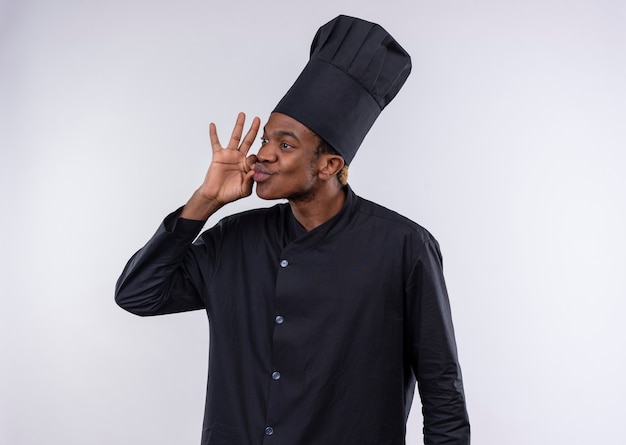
column 260, row 173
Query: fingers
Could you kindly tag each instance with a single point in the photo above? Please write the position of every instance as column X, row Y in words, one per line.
column 248, row 163
column 248, row 140
column 247, row 185
column 215, row 142
column 235, row 137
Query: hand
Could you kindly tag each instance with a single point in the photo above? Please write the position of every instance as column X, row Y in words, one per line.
column 230, row 173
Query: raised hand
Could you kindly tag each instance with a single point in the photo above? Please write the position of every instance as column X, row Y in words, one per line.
column 229, row 176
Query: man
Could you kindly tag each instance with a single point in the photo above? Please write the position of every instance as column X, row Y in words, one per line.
column 323, row 310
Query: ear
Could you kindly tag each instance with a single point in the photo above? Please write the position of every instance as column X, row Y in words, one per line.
column 330, row 165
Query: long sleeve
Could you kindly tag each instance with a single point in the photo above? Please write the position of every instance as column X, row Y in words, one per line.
column 158, row 278
column 433, row 352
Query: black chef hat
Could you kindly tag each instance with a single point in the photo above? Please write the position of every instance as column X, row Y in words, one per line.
column 356, row 68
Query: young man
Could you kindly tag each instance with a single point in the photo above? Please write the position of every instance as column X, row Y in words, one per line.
column 324, row 310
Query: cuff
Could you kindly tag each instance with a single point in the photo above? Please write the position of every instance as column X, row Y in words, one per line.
column 174, row 224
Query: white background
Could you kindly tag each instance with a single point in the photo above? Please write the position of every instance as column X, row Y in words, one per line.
column 507, row 143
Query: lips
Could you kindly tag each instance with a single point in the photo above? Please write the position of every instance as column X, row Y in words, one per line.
column 261, row 174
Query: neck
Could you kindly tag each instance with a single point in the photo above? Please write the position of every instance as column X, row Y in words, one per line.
column 314, row 212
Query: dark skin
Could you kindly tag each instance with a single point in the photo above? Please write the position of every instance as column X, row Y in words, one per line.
column 287, row 165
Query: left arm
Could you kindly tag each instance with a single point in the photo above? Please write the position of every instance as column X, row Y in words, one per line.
column 432, row 348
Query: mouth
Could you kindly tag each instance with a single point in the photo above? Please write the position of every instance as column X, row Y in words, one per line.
column 261, row 174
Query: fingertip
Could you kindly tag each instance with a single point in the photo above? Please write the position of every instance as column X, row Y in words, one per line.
column 251, row 160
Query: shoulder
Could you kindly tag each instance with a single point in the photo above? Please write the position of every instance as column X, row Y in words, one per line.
column 394, row 235
column 385, row 219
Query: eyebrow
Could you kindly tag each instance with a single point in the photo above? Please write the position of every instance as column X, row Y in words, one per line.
column 279, row 133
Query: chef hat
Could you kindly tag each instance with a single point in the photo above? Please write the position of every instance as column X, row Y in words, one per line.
column 355, row 69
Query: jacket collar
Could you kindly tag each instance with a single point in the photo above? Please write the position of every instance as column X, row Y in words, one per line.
column 303, row 240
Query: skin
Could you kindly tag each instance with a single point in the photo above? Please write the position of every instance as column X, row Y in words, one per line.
column 286, row 166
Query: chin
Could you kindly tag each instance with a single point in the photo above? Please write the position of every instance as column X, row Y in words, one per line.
column 266, row 194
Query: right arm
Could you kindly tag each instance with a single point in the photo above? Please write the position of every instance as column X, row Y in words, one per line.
column 159, row 278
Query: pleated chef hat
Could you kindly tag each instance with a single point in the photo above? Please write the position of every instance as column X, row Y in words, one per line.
column 355, row 69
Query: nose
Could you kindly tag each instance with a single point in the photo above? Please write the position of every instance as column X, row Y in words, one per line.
column 266, row 153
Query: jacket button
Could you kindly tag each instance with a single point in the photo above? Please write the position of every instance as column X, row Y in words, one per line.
column 279, row 319
column 269, row 431
column 284, row 263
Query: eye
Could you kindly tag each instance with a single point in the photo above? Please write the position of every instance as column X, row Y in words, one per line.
column 264, row 140
column 285, row 146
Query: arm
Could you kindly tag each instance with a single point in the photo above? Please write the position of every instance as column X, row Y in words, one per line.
column 161, row 277
column 433, row 352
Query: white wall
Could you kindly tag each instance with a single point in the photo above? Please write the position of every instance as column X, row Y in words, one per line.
column 507, row 143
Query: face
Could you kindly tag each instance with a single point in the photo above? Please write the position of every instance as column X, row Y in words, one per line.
column 287, row 161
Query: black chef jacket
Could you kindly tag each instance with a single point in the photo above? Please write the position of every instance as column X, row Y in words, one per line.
column 315, row 337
